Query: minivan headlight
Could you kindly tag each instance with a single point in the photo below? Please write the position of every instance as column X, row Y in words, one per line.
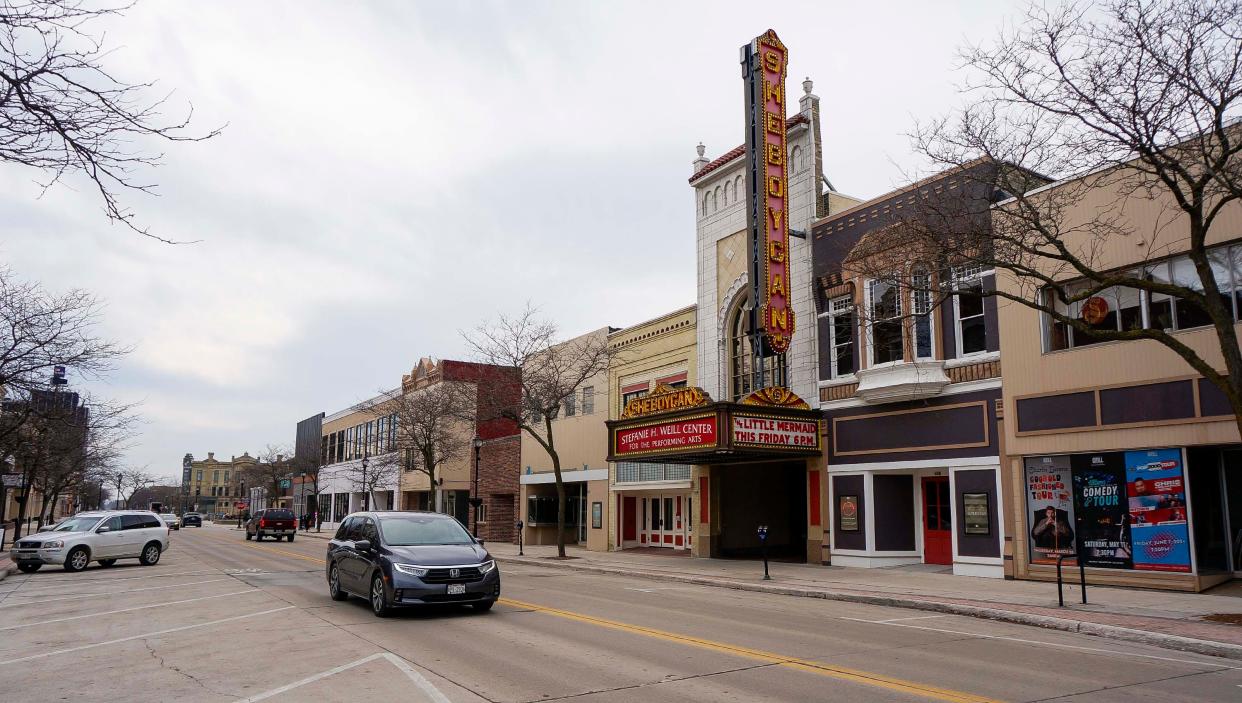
column 53, row 544
column 410, row 569
column 487, row 566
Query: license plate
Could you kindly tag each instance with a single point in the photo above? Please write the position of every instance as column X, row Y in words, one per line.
column 456, row 589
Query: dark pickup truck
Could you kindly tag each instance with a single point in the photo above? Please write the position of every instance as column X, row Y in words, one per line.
column 272, row 522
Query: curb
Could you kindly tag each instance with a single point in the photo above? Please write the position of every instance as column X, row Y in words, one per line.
column 1157, row 639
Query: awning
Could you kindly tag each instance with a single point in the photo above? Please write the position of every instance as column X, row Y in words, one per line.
column 684, row 425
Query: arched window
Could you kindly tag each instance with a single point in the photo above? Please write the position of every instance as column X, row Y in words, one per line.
column 920, row 305
column 706, row 196
column 739, row 188
column 712, row 200
column 728, row 194
column 742, row 357
column 795, row 160
column 715, row 198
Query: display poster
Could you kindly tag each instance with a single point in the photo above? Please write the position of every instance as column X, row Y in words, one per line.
column 847, row 508
column 1050, row 507
column 1101, row 509
column 1157, row 503
column 976, row 518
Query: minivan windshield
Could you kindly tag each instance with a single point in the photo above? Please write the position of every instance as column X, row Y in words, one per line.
column 78, row 523
column 415, row 530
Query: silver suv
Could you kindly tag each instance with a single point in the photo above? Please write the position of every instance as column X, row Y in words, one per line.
column 103, row 536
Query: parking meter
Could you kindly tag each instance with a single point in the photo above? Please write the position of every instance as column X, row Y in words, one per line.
column 763, row 546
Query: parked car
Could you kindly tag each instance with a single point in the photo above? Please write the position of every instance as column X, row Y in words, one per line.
column 192, row 519
column 103, row 536
column 171, row 520
column 272, row 522
column 396, row 559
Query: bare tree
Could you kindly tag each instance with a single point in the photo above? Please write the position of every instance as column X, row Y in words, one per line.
column 1130, row 100
column 63, row 113
column 552, row 371
column 93, row 443
column 432, row 425
column 40, row 330
column 131, row 480
column 274, row 465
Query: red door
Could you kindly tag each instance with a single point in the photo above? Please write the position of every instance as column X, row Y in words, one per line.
column 937, row 521
column 629, row 518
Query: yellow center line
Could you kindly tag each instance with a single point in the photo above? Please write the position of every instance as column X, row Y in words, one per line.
column 837, row 672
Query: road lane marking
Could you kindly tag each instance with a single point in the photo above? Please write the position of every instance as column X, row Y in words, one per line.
column 128, row 610
column 20, row 591
column 142, row 636
column 419, row 680
column 1097, row 650
column 917, row 617
column 111, row 593
column 247, row 543
column 865, row 678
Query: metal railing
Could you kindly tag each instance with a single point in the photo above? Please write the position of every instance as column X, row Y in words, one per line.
column 1082, row 578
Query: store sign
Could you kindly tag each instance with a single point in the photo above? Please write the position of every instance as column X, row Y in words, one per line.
column 665, row 399
column 975, row 515
column 847, row 510
column 775, row 432
column 767, row 62
column 11, row 481
column 696, row 433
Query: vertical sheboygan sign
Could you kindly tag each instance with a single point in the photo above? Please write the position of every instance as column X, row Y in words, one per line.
column 766, row 61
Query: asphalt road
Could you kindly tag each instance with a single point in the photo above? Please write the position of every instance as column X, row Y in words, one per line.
column 222, row 619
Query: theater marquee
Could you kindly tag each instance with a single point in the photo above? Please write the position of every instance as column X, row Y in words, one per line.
column 684, row 426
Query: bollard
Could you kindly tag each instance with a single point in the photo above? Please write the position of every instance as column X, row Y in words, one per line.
column 519, row 531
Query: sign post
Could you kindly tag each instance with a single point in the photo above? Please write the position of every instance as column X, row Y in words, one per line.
column 763, row 546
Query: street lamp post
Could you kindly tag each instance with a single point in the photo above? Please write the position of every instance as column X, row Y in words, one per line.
column 475, row 500
column 242, row 491
column 366, row 492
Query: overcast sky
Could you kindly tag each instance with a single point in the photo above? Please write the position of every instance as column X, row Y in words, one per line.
column 395, row 172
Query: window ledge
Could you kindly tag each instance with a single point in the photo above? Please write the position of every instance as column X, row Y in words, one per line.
column 899, row 382
column 972, row 359
column 838, row 381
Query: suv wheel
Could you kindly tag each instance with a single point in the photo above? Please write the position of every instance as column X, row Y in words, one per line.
column 334, row 585
column 290, row 538
column 379, row 598
column 77, row 559
column 249, row 536
column 28, row 567
column 150, row 554
column 258, row 536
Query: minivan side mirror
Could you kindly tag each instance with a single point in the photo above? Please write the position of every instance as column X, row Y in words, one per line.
column 479, row 541
column 363, row 545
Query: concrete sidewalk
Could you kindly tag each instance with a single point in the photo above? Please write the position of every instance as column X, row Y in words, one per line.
column 1161, row 618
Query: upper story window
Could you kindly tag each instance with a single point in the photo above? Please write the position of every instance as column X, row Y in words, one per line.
column 742, row 357
column 570, row 405
column 886, row 324
column 921, row 307
column 972, row 326
column 588, row 400
column 1120, row 308
column 840, row 336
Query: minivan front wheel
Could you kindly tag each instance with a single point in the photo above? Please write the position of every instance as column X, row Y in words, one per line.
column 150, row 554
column 77, row 559
column 379, row 598
column 334, row 585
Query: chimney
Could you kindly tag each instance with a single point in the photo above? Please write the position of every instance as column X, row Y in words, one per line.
column 809, row 100
column 700, row 161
